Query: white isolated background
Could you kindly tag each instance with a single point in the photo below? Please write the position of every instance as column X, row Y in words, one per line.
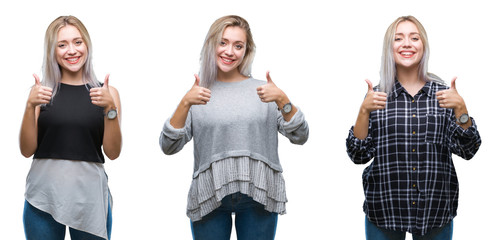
column 318, row 52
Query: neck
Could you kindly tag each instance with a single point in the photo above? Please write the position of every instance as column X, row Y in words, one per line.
column 409, row 79
column 72, row 78
column 233, row 76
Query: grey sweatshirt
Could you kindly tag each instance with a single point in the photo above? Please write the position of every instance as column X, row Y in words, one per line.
column 235, row 122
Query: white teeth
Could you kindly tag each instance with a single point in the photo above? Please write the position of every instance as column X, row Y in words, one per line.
column 227, row 60
column 406, row 53
column 72, row 60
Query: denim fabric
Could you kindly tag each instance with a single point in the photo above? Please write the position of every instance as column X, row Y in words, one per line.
column 376, row 233
column 252, row 221
column 39, row 225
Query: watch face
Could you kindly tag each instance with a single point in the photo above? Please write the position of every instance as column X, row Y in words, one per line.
column 111, row 114
column 464, row 118
column 287, row 108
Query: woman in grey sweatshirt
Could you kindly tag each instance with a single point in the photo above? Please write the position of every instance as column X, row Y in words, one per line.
column 234, row 121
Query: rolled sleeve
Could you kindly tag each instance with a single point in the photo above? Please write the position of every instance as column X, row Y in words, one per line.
column 171, row 132
column 464, row 142
column 296, row 130
column 172, row 140
column 360, row 151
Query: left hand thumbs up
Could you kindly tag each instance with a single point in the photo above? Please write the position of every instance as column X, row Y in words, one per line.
column 269, row 92
column 101, row 96
column 106, row 81
column 450, row 98
column 269, row 80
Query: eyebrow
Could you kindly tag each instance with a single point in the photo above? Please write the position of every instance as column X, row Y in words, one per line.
column 412, row 33
column 78, row 38
column 225, row 39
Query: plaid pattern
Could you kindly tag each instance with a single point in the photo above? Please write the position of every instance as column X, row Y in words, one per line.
column 411, row 185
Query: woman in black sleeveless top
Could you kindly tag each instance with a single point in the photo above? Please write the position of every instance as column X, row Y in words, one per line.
column 69, row 118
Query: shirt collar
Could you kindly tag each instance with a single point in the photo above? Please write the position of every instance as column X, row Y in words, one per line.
column 428, row 89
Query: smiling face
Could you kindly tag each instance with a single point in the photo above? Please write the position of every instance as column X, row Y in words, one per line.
column 231, row 50
column 71, row 51
column 408, row 48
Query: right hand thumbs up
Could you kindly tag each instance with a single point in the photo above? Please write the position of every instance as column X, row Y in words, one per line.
column 370, row 85
column 196, row 80
column 39, row 94
column 373, row 100
column 37, row 80
column 197, row 95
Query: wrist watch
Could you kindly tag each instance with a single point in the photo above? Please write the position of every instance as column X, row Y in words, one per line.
column 287, row 108
column 111, row 114
column 463, row 119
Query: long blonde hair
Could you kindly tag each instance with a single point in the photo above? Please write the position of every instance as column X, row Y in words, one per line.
column 51, row 69
column 388, row 66
column 208, row 59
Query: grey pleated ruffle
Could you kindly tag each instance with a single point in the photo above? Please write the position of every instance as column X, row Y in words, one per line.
column 236, row 174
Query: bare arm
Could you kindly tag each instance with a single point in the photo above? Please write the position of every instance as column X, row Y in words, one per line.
column 108, row 98
column 29, row 127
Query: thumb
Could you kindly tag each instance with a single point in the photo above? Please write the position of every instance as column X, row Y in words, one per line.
column 269, row 80
column 453, row 83
column 370, row 85
column 37, row 80
column 106, row 81
column 197, row 80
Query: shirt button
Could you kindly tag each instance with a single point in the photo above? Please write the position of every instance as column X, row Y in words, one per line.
column 414, row 115
column 414, row 185
column 414, row 169
column 413, row 132
column 413, row 203
column 413, row 100
column 413, row 150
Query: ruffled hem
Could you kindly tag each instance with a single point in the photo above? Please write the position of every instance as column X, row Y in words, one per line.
column 236, row 174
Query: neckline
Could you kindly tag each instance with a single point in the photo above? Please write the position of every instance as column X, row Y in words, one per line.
column 71, row 85
column 223, row 82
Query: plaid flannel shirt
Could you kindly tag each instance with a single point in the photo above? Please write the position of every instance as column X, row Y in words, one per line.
column 411, row 185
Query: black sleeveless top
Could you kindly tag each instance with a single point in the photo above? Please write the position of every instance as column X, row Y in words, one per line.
column 71, row 127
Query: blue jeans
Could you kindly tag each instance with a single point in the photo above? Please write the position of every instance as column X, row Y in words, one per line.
column 376, row 233
column 39, row 225
column 252, row 221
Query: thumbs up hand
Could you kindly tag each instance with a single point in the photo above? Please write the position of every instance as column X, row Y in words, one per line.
column 270, row 92
column 39, row 94
column 101, row 96
column 373, row 100
column 450, row 98
column 197, row 95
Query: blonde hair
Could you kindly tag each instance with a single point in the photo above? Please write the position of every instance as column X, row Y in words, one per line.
column 208, row 59
column 388, row 66
column 51, row 69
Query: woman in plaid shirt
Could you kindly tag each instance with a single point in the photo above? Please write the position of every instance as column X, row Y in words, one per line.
column 410, row 125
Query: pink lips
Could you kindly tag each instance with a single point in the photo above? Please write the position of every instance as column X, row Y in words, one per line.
column 72, row 60
column 407, row 54
column 226, row 61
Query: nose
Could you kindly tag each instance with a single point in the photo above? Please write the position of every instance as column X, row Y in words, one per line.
column 71, row 49
column 229, row 50
column 406, row 42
